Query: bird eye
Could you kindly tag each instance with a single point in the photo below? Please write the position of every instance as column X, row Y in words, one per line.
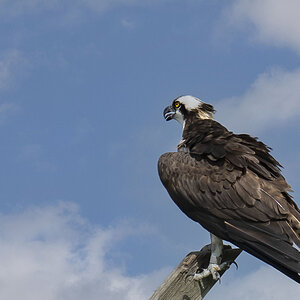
column 177, row 104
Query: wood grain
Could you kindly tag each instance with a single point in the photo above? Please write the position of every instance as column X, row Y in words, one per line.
column 179, row 286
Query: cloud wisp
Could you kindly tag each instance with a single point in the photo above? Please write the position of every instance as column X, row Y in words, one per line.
column 272, row 99
column 52, row 253
column 274, row 22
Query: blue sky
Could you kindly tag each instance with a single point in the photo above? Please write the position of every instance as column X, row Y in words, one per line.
column 82, row 88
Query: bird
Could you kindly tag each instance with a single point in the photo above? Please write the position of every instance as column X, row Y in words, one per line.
column 231, row 185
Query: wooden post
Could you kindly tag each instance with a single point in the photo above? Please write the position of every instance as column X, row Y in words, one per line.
column 178, row 286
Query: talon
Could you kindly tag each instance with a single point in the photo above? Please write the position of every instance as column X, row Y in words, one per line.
column 192, row 274
column 213, row 269
column 236, row 265
column 216, row 276
column 187, row 276
column 225, row 265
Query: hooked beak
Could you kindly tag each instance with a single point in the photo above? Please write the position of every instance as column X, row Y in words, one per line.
column 169, row 113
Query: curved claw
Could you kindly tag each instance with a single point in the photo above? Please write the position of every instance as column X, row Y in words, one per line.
column 187, row 276
column 192, row 274
column 212, row 270
column 236, row 265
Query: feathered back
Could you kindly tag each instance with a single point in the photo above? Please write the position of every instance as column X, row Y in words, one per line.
column 233, row 187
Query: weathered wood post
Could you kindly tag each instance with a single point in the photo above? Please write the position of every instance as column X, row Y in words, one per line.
column 178, row 287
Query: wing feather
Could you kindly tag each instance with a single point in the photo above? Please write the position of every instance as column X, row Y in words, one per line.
column 237, row 203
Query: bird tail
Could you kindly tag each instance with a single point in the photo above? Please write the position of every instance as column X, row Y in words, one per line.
column 276, row 250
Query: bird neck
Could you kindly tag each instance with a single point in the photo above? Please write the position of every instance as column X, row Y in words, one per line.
column 195, row 130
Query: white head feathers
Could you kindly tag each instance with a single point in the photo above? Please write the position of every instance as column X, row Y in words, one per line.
column 189, row 102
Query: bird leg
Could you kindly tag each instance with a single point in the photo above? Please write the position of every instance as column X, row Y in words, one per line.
column 215, row 265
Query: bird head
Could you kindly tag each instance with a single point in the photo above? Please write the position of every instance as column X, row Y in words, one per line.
column 188, row 107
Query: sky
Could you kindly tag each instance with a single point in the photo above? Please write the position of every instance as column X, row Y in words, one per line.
column 83, row 84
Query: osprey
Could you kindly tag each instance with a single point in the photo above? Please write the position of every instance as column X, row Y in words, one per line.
column 233, row 187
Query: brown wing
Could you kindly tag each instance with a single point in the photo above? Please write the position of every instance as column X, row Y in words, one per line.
column 239, row 195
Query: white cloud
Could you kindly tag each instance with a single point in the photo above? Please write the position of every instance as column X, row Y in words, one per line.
column 51, row 253
column 275, row 21
column 266, row 283
column 274, row 98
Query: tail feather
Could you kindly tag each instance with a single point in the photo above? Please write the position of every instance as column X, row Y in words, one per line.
column 275, row 251
column 273, row 259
